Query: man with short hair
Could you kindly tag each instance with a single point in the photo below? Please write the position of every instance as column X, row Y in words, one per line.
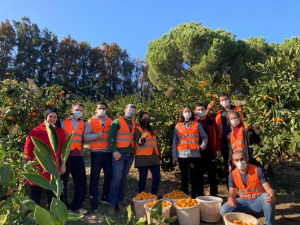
column 213, row 149
column 75, row 163
column 256, row 194
column 121, row 139
column 97, row 133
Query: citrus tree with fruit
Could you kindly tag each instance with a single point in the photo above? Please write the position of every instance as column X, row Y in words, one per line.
column 273, row 107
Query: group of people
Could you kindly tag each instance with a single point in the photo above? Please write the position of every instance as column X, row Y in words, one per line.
column 199, row 138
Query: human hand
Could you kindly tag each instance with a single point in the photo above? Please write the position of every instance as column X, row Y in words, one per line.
column 218, row 154
column 100, row 135
column 229, row 168
column 231, row 202
column 271, row 197
column 210, row 106
column 117, row 155
column 175, row 161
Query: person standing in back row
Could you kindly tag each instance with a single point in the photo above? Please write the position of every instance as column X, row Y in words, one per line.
column 97, row 133
column 188, row 141
column 75, row 163
column 121, row 140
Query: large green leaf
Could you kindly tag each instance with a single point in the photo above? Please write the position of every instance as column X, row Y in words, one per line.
column 141, row 221
column 156, row 210
column 39, row 180
column 110, row 221
column 27, row 203
column 66, row 149
column 59, row 186
column 74, row 217
column 42, row 216
column 46, row 162
column 52, row 134
column 3, row 219
column 170, row 220
column 59, row 212
column 5, row 173
column 38, row 143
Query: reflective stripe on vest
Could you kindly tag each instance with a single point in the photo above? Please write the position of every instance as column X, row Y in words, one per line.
column 219, row 119
column 188, row 138
column 254, row 187
column 238, row 143
column 100, row 143
column 124, row 136
column 77, row 136
column 150, row 144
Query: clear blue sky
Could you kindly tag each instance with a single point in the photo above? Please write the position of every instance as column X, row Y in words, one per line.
column 133, row 24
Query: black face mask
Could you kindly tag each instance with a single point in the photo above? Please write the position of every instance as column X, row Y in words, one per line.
column 145, row 122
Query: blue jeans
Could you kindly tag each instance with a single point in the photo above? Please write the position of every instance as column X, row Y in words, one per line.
column 253, row 207
column 155, row 171
column 121, row 169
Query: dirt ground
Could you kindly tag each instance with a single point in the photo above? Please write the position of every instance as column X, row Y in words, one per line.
column 285, row 180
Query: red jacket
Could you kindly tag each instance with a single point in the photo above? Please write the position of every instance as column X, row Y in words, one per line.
column 41, row 133
column 213, row 135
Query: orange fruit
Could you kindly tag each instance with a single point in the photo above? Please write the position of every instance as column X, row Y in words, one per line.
column 29, row 114
column 56, row 94
column 62, row 92
column 33, row 109
column 283, row 155
column 49, row 103
column 11, row 103
column 33, row 114
column 275, row 99
column 278, row 120
column 274, row 119
column 266, row 97
column 213, row 102
column 244, row 223
column 56, row 101
column 282, row 119
column 10, row 118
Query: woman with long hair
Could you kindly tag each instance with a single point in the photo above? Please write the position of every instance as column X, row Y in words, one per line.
column 188, row 142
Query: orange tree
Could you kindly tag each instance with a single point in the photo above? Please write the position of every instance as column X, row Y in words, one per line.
column 273, row 107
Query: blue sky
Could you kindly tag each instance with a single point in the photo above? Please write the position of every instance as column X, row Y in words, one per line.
column 133, row 24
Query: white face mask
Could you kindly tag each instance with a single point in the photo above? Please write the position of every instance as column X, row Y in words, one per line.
column 225, row 103
column 129, row 114
column 235, row 122
column 187, row 115
column 77, row 114
column 101, row 112
column 241, row 165
column 201, row 113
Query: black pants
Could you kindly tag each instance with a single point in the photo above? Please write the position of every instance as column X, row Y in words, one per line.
column 225, row 153
column 99, row 161
column 75, row 166
column 143, row 172
column 192, row 164
column 36, row 193
column 209, row 164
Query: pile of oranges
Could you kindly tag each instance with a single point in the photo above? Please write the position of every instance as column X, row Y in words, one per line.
column 241, row 222
column 175, row 194
column 151, row 204
column 144, row 196
column 186, row 203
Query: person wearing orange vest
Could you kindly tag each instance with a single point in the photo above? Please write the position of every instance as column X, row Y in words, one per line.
column 223, row 125
column 147, row 156
column 241, row 138
column 96, row 132
column 256, row 194
column 122, row 144
column 188, row 141
column 75, row 163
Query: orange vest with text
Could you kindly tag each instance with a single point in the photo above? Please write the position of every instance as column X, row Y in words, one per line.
column 219, row 119
column 100, row 143
column 238, row 143
column 77, row 136
column 124, row 136
column 149, row 146
column 188, row 138
column 254, row 187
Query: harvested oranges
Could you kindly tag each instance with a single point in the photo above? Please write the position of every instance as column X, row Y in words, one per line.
column 144, row 196
column 175, row 194
column 241, row 222
column 164, row 203
column 186, row 203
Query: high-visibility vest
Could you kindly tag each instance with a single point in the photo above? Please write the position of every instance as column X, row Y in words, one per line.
column 219, row 119
column 100, row 143
column 188, row 138
column 150, row 144
column 254, row 187
column 238, row 143
column 77, row 136
column 124, row 136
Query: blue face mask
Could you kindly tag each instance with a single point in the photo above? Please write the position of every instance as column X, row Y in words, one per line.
column 77, row 114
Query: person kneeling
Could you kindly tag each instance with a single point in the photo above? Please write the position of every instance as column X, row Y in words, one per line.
column 256, row 194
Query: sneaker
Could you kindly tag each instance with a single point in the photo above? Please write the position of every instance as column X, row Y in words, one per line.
column 112, row 210
column 121, row 207
column 82, row 211
column 105, row 200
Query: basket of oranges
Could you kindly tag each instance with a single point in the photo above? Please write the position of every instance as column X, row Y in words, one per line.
column 188, row 211
column 165, row 211
column 139, row 201
column 240, row 218
column 210, row 208
column 173, row 197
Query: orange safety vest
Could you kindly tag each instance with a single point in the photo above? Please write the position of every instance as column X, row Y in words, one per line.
column 188, row 138
column 219, row 119
column 97, row 127
column 124, row 136
column 150, row 144
column 77, row 136
column 254, row 187
column 238, row 143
